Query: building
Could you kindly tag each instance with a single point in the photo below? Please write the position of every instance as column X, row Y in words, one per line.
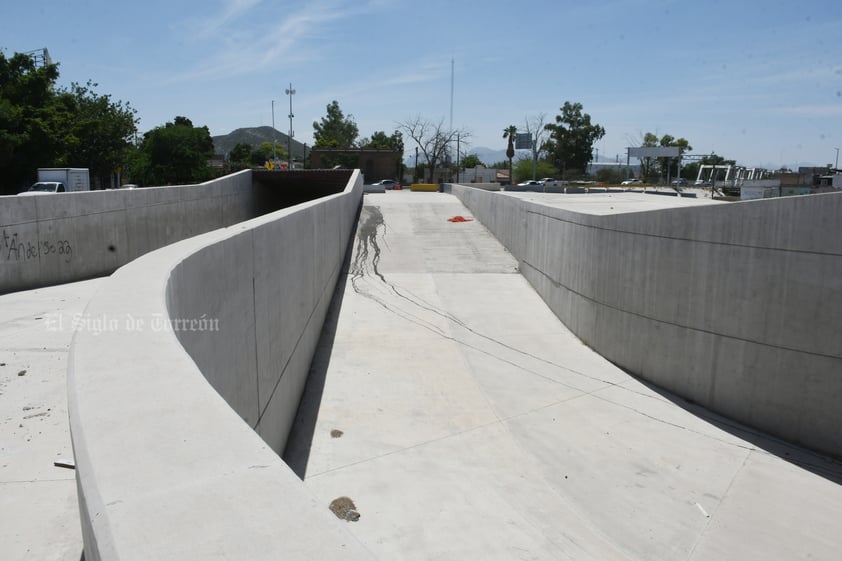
column 374, row 164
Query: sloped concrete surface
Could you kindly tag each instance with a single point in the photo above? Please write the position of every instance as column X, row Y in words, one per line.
column 466, row 422
column 734, row 306
column 169, row 465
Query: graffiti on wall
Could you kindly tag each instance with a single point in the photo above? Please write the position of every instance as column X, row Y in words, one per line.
column 17, row 249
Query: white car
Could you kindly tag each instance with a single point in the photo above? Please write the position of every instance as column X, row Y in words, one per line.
column 632, row 182
column 531, row 183
column 388, row 184
column 45, row 188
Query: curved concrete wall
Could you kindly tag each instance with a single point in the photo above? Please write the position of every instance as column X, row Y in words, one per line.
column 52, row 239
column 199, row 337
column 736, row 307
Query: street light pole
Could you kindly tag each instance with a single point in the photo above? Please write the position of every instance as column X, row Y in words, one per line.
column 274, row 141
column 836, row 167
column 290, row 92
column 458, row 149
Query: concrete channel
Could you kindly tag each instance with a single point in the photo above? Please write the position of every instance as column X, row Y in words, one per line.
column 447, row 413
column 465, row 421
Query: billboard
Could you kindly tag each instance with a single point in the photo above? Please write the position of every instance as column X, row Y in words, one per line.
column 523, row 141
column 655, row 152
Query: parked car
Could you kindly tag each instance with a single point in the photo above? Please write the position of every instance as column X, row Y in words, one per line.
column 531, row 183
column 632, row 182
column 45, row 188
column 388, row 184
column 702, row 183
column 679, row 182
column 549, row 182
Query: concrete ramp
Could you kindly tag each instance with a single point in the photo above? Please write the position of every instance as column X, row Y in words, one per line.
column 465, row 421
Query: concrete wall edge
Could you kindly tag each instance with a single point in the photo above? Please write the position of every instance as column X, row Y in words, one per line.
column 165, row 467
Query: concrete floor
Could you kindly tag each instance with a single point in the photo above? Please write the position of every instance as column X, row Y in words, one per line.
column 617, row 202
column 39, row 515
column 466, row 422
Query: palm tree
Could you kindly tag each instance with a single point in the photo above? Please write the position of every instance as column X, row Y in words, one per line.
column 510, row 132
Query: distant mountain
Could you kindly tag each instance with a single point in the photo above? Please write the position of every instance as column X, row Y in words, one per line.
column 253, row 136
column 489, row 156
column 485, row 155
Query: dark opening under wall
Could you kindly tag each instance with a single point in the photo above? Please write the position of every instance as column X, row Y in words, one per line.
column 274, row 190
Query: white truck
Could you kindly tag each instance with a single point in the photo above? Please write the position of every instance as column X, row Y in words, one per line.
column 60, row 180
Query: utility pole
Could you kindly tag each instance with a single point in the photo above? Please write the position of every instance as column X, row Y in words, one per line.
column 450, row 130
column 452, row 62
column 274, row 140
column 290, row 92
column 534, row 140
column 458, row 150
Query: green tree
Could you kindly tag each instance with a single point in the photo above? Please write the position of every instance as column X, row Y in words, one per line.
column 28, row 117
column 335, row 130
column 610, row 175
column 571, row 138
column 669, row 166
column 543, row 168
column 471, row 161
column 99, row 137
column 380, row 141
column 264, row 153
column 44, row 127
column 657, row 168
column 240, row 153
column 649, row 169
column 176, row 153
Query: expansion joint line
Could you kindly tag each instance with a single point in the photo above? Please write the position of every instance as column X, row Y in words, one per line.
column 594, row 301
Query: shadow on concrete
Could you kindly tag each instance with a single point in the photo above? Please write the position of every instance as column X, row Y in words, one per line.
column 274, row 190
column 817, row 463
column 297, row 451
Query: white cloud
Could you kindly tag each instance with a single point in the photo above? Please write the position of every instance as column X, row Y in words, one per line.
column 248, row 37
column 231, row 11
column 834, row 110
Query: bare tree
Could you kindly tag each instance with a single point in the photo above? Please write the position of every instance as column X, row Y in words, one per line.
column 538, row 134
column 433, row 139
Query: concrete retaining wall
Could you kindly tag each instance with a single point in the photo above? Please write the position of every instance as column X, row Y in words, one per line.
column 736, row 307
column 210, row 353
column 487, row 186
column 52, row 239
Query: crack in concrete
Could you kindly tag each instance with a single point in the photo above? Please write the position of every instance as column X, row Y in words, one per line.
column 366, row 263
column 367, row 257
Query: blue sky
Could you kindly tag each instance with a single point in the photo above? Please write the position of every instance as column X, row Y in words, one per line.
column 759, row 82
